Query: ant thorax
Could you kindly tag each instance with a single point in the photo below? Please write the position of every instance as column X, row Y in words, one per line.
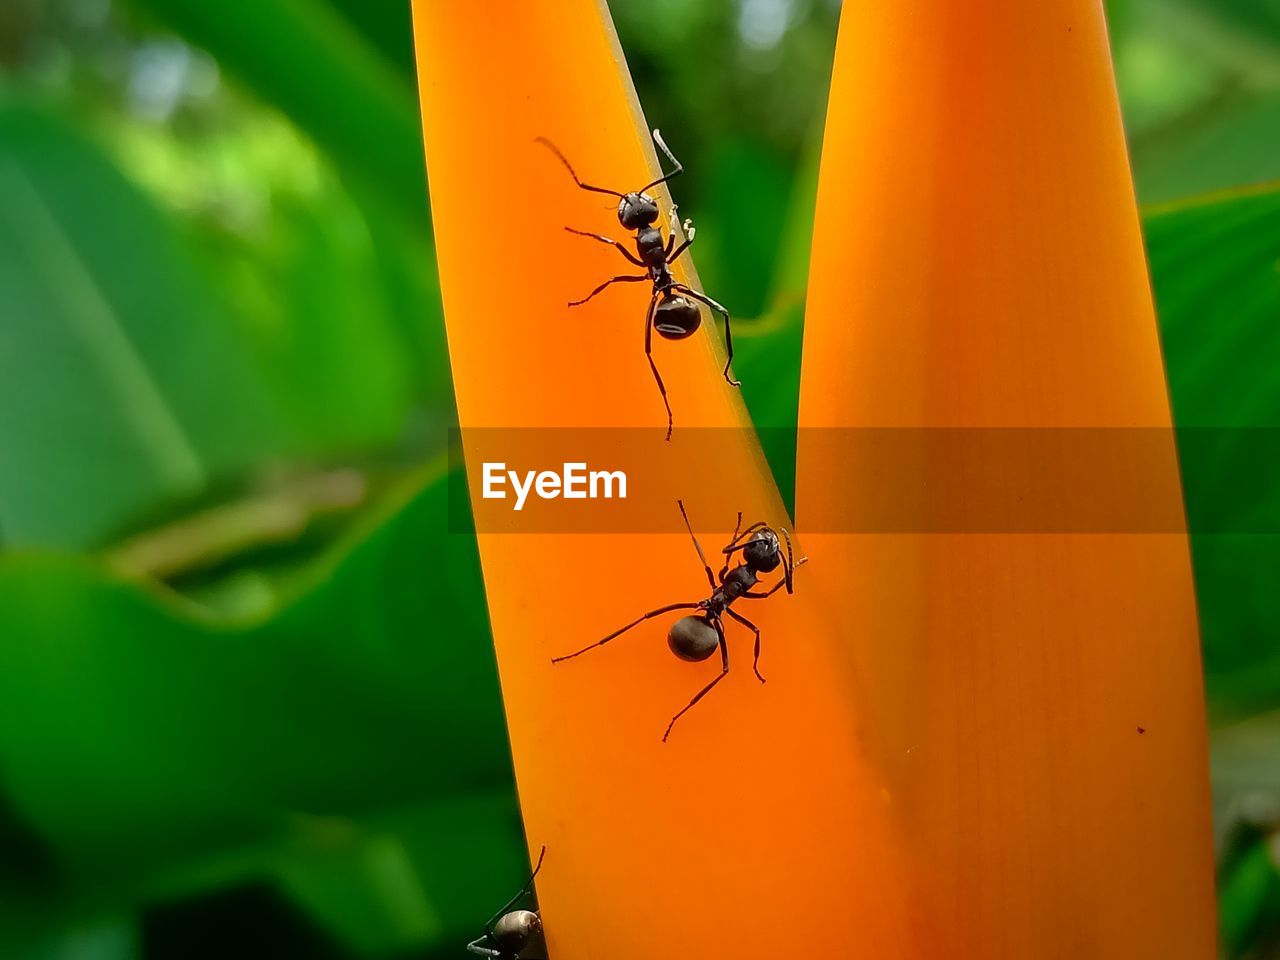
column 651, row 247
column 738, row 581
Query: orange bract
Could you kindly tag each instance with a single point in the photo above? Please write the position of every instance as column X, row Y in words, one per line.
column 1034, row 700
column 758, row 830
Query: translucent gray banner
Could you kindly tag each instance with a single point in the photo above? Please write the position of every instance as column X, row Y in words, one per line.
column 878, row 480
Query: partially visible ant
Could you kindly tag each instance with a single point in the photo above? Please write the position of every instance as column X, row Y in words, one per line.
column 509, row 933
column 672, row 311
column 696, row 637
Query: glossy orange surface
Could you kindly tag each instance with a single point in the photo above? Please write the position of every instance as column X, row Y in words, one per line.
column 1033, row 700
column 759, row 830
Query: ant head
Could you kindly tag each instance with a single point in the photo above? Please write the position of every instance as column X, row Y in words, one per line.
column 636, row 210
column 693, row 638
column 513, row 930
column 762, row 552
column 676, row 318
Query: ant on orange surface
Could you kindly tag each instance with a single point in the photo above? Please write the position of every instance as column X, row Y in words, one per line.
column 672, row 310
column 509, row 934
column 697, row 636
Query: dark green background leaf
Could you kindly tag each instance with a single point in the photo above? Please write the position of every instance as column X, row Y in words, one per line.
column 141, row 739
column 120, row 384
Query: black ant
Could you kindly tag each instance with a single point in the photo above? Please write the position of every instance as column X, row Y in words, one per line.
column 696, row 637
column 672, row 311
column 510, row 932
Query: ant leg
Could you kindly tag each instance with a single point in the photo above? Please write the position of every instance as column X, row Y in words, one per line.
column 474, row 947
column 648, row 352
column 728, row 331
column 755, row 664
column 568, row 166
column 784, row 582
column 636, row 622
column 734, row 544
column 662, row 144
column 621, row 249
column 737, row 525
column 622, row 279
column 697, row 546
column 724, row 672
column 689, row 233
column 772, row 590
column 739, row 542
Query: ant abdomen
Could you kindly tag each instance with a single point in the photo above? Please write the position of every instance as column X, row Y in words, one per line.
column 514, row 930
column 677, row 318
column 509, row 932
column 693, row 638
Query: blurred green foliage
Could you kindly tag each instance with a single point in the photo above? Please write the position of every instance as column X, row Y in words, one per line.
column 248, row 705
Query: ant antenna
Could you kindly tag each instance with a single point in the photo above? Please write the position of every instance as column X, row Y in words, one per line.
column 697, row 546
column 790, row 565
column 538, row 866
column 803, row 560
column 679, row 167
column 736, row 527
column 568, row 166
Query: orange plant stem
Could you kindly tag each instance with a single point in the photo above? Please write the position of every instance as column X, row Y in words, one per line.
column 757, row 830
column 1033, row 699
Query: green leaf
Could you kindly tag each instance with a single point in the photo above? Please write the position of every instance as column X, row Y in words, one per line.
column 138, row 734
column 1232, row 140
column 1199, row 82
column 113, row 939
column 432, row 874
column 767, row 349
column 121, row 383
column 307, row 60
column 388, row 26
column 1249, row 901
column 311, row 295
column 1254, row 24
column 1216, row 274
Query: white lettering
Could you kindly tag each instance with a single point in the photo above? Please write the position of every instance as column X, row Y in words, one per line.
column 494, row 476
column 574, row 482
column 522, row 492
column 548, row 485
column 609, row 477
